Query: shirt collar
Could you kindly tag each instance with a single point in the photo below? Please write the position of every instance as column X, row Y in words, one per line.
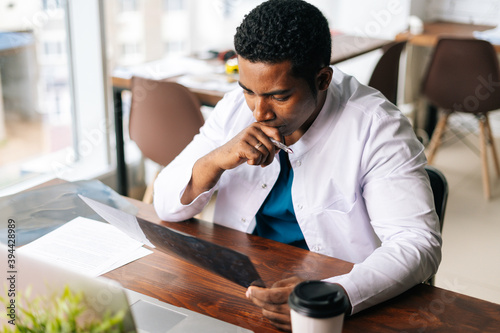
column 321, row 125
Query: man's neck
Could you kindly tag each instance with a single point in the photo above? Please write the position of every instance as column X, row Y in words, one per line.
column 295, row 136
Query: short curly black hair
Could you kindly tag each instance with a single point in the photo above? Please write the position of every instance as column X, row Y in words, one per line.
column 286, row 30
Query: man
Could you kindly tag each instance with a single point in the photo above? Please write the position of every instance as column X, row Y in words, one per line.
column 354, row 188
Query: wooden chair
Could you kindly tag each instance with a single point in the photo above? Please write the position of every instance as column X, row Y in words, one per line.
column 463, row 76
column 385, row 75
column 164, row 118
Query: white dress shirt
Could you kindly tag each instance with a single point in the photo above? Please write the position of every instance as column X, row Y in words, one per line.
column 360, row 191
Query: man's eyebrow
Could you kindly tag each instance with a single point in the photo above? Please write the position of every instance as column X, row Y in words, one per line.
column 274, row 92
column 243, row 86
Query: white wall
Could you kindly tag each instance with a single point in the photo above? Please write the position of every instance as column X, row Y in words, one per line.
column 373, row 18
column 465, row 11
column 207, row 35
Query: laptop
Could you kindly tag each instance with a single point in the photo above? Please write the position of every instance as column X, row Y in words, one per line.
column 143, row 314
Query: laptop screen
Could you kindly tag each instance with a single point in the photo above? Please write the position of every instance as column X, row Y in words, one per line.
column 40, row 288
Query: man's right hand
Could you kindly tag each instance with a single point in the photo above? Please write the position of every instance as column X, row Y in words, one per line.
column 252, row 145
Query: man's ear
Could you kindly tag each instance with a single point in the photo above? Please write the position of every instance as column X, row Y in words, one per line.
column 324, row 78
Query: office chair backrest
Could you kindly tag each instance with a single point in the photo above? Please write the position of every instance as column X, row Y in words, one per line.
column 439, row 187
column 460, row 74
column 164, row 118
column 386, row 73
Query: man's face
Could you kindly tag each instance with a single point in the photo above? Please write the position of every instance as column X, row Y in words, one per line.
column 278, row 99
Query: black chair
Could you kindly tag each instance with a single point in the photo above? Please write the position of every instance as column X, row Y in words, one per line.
column 385, row 75
column 439, row 187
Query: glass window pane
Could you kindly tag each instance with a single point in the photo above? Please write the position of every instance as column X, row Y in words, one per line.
column 36, row 123
column 41, row 137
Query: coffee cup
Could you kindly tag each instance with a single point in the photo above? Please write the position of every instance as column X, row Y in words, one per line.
column 317, row 306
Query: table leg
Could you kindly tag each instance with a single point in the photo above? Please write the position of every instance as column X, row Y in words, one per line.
column 121, row 167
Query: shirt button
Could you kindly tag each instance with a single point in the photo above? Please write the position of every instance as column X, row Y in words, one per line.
column 299, row 207
column 316, row 248
column 244, row 220
column 299, row 163
column 264, row 186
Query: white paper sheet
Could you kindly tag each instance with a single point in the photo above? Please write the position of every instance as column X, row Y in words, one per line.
column 492, row 35
column 88, row 246
column 122, row 220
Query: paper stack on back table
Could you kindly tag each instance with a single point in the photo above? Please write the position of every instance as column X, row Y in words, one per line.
column 87, row 246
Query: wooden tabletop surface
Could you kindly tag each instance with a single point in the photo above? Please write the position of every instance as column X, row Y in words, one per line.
column 422, row 309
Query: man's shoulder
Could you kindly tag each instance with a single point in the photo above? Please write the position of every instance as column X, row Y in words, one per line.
column 232, row 110
column 234, row 97
column 362, row 100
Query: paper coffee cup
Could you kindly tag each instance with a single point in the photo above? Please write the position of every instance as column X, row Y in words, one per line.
column 317, row 307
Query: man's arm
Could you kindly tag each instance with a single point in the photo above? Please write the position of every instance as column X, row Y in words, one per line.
column 184, row 187
column 399, row 202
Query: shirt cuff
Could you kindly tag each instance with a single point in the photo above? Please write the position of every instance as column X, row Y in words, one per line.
column 351, row 290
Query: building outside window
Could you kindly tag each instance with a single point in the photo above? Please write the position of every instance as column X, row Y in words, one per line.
column 128, row 5
column 174, row 5
column 35, row 108
column 43, row 134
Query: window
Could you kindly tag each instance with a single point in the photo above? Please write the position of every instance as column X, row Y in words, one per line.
column 51, row 4
column 127, row 5
column 130, row 49
column 173, row 5
column 36, row 108
column 48, row 125
column 175, row 47
column 53, row 48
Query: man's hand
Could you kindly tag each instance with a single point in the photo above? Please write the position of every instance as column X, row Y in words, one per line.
column 252, row 145
column 274, row 301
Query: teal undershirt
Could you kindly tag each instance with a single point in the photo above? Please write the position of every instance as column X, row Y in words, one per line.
column 276, row 217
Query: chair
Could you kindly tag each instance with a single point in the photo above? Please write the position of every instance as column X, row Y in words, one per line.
column 439, row 187
column 386, row 73
column 463, row 76
column 164, row 118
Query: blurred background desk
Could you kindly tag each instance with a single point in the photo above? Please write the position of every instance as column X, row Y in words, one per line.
column 187, row 71
column 435, row 30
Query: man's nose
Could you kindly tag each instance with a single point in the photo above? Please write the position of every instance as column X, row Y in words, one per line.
column 262, row 110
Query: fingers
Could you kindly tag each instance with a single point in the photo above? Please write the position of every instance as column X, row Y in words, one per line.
column 252, row 145
column 291, row 281
column 258, row 145
column 255, row 146
column 281, row 321
column 260, row 154
column 274, row 304
column 271, row 298
column 274, row 301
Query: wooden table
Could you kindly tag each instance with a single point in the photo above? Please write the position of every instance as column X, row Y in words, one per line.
column 421, row 309
column 345, row 47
